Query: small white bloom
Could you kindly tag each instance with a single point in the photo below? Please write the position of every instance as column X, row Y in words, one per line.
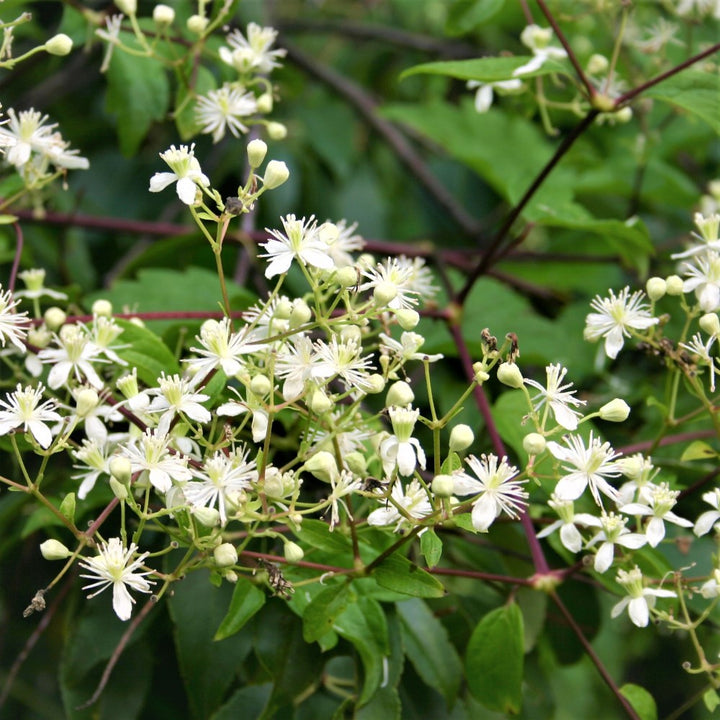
column 296, row 363
column 709, row 519
column 110, row 34
column 570, row 536
column 395, row 279
column 222, row 109
column 615, row 317
column 114, row 566
column 413, row 499
column 558, row 397
column 173, row 397
column 34, row 280
column 252, row 53
column 585, row 466
column 659, row 509
column 703, row 276
column 342, row 359
column 408, row 348
column 13, row 325
column 498, row 491
column 152, row 454
column 260, row 416
column 75, row 353
column 23, row 408
column 697, row 347
column 344, row 243
column 186, row 173
column 484, row 91
column 343, row 484
column 537, row 39
column 613, row 533
column 401, row 450
column 95, row 456
column 640, row 599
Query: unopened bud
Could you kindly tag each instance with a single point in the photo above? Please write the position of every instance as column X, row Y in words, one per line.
column 356, row 463
column 293, row 552
column 256, row 151
column 54, row 318
column 534, row 444
column 319, row 402
column 351, row 333
column 196, row 24
column 400, row 393
column 616, row 410
column 674, row 285
column 442, row 485
column 710, row 323
column 322, row 465
column 384, row 293
column 163, row 15
column 509, row 374
column 127, row 7
column 374, row 384
column 300, row 314
column 407, row 318
column 276, row 131
column 86, row 400
column 119, row 490
column 276, row 173
column 265, row 103
column 67, row 506
column 225, row 555
column 461, row 438
column 656, row 288
column 346, row 276
column 207, row 516
column 481, row 375
column 102, row 308
column 59, row 44
column 54, row 550
column 260, row 385
column 121, row 468
column 597, row 64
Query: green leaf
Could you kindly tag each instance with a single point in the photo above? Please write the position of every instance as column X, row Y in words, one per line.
column 399, row 574
column 641, row 700
column 320, row 615
column 385, row 705
column 711, row 699
column 692, row 90
column 317, row 534
column 247, row 703
column 491, row 69
column 451, row 463
column 138, row 93
column 465, row 15
column 247, row 599
column 429, row 650
column 697, row 450
column 364, row 625
column 146, row 352
column 197, row 609
column 494, row 660
column 431, row 547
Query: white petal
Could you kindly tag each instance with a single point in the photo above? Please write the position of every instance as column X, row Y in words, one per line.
column 706, row 521
column 638, row 611
column 40, row 432
column 483, row 98
column 159, row 181
column 571, row 487
column 604, row 557
column 406, row 459
column 484, row 512
column 614, row 342
column 122, row 601
column 564, row 416
column 655, row 531
column 570, row 537
column 186, row 190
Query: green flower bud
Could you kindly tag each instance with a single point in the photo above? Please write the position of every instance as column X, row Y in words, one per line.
column 293, row 552
column 120, row 491
column 54, row 318
column 346, row 276
column 54, row 550
column 400, row 393
column 481, row 375
column 163, row 15
column 265, row 103
column 442, row 485
column 597, row 64
column 461, row 438
column 509, row 374
column 59, row 44
column 376, row 384
column 616, row 410
column 208, row 517
column 710, row 323
column 319, row 402
column 102, row 308
column 351, row 332
column 276, row 131
column 407, row 318
column 357, row 463
column 300, row 314
column 284, row 309
column 384, row 293
column 260, row 385
column 40, row 336
column 322, row 465
column 121, row 469
column 86, row 400
column 196, row 24
column 127, row 7
column 276, row 173
column 225, row 555
column 534, row 444
column 674, row 285
column 256, row 151
column 67, row 506
column 656, row 288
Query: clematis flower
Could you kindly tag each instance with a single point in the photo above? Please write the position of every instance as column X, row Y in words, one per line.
column 401, row 450
column 186, row 173
column 613, row 532
column 659, row 509
column 538, row 40
column 570, row 536
column 640, row 599
column 23, row 408
column 13, row 325
column 709, row 519
column 220, row 110
column 557, row 396
column 252, row 52
column 413, row 499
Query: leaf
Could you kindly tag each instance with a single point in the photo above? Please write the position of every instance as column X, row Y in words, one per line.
column 138, row 93
column 247, row 703
column 399, row 574
column 494, row 660
column 146, row 352
column 641, row 700
column 320, row 615
column 490, row 69
column 364, row 625
column 316, row 533
column 697, row 450
column 711, row 699
column 431, row 547
column 385, row 705
column 429, row 650
column 465, row 15
column 692, row 90
column 247, row 599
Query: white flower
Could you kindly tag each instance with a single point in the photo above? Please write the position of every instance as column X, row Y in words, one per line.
column 557, row 397
column 302, row 240
column 570, row 536
column 709, row 519
column 252, row 53
column 13, row 325
column 498, row 491
column 413, row 499
column 408, row 348
column 401, row 450
column 221, row 348
column 75, row 354
column 114, row 566
column 659, row 508
column 23, row 408
column 394, row 278
column 614, row 318
column 345, row 242
column 186, row 173
column 538, row 39
column 260, row 416
column 152, row 454
column 640, row 599
column 296, row 363
column 704, row 278
column 95, row 456
column 708, row 237
column 640, row 472
column 34, row 280
column 702, row 7
column 111, row 35
column 342, row 359
column 586, row 466
column 697, row 347
column 222, row 482
column 484, row 94
column 174, row 397
column 345, row 484
column 613, row 533
column 222, row 109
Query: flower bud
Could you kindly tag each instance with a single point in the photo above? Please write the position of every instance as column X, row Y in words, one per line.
column 119, row 490
column 461, row 438
column 276, row 131
column 616, row 410
column 102, row 308
column 710, row 323
column 225, row 555
column 400, row 393
column 59, row 44
column 231, row 576
column 54, row 317
column 265, row 103
column 300, row 314
column 319, row 402
column 356, row 463
column 283, row 309
column 322, row 465
column 656, row 288
column 346, row 276
column 276, row 173
column 443, row 485
column 509, row 374
column 86, row 400
column 163, row 15
column 375, row 384
column 273, row 484
column 40, row 336
column 196, row 24
column 597, row 64
column 260, row 385
column 208, row 517
column 293, row 552
column 407, row 318
column 121, row 468
column 481, row 375
column 256, row 151
column 534, row 444
column 674, row 285
column 54, row 550
column 351, row 333
column 67, row 506
column 624, row 115
column 127, row 7
column 384, row 293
